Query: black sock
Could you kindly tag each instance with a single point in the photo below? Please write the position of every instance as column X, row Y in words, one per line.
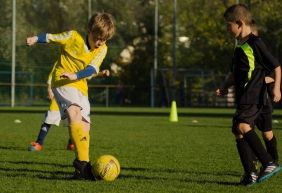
column 246, row 155
column 70, row 141
column 42, row 133
column 271, row 147
column 254, row 142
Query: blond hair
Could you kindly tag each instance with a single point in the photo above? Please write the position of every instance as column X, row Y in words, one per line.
column 102, row 26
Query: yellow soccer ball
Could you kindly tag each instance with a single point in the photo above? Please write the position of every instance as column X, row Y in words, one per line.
column 106, row 167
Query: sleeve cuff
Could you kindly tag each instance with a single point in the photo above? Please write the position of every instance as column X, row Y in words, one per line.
column 88, row 71
column 42, row 38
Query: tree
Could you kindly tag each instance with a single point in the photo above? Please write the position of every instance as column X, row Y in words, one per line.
column 208, row 46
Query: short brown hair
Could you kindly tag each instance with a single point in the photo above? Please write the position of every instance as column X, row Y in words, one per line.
column 238, row 12
column 102, row 26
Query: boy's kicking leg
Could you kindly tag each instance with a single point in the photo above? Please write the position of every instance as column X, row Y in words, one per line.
column 76, row 107
column 79, row 131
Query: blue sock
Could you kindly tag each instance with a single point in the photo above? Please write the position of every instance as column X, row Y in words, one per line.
column 43, row 133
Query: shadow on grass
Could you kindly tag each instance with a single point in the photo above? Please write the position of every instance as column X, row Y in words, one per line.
column 198, row 181
column 38, row 174
column 199, row 175
column 233, row 174
column 37, row 163
column 10, row 148
column 65, row 175
column 32, row 173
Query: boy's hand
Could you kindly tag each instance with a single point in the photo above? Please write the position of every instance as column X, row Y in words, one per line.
column 102, row 73
column 50, row 92
column 276, row 95
column 105, row 73
column 31, row 40
column 68, row 75
column 221, row 92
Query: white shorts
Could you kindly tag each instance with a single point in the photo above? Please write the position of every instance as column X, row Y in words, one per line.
column 67, row 96
column 52, row 117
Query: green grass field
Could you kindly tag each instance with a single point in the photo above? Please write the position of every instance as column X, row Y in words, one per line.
column 196, row 154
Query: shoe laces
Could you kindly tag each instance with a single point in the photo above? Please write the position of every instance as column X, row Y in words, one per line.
column 270, row 168
column 254, row 176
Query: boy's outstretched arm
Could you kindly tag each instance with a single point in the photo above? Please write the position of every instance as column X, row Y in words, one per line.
column 41, row 38
column 229, row 81
column 277, row 82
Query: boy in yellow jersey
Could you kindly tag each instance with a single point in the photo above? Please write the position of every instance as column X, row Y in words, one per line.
column 78, row 60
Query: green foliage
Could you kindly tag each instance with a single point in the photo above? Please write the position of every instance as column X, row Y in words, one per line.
column 5, row 30
column 208, row 48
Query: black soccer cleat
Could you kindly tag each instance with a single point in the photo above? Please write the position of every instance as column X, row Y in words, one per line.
column 249, row 179
column 271, row 169
column 83, row 170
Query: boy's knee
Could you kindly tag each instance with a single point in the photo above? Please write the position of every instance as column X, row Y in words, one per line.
column 244, row 128
column 241, row 128
column 268, row 135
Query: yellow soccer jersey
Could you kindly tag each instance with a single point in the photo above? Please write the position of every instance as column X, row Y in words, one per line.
column 49, row 81
column 53, row 105
column 74, row 56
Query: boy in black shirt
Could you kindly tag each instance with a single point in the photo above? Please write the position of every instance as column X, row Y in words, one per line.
column 251, row 61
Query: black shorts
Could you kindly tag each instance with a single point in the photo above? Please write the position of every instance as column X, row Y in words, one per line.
column 264, row 120
column 245, row 114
